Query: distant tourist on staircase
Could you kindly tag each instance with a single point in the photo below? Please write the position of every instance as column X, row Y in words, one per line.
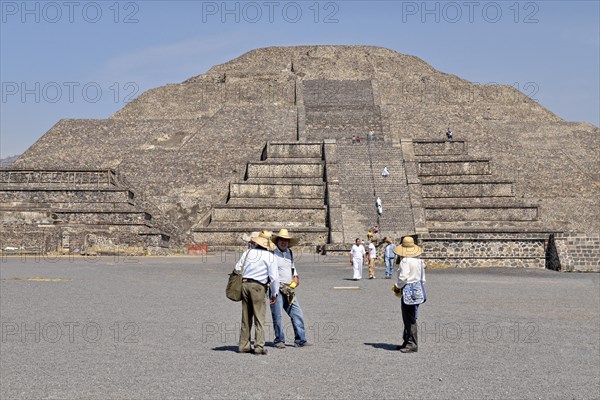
column 449, row 134
column 385, row 173
column 379, row 206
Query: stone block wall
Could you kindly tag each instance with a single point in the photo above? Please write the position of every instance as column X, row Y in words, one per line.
column 576, row 252
column 522, row 250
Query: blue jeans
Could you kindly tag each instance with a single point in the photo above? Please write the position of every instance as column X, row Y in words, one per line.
column 389, row 266
column 295, row 313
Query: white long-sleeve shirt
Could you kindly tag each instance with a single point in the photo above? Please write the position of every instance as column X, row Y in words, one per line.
column 409, row 271
column 260, row 265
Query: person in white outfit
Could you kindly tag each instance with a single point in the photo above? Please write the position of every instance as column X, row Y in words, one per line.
column 411, row 269
column 385, row 172
column 357, row 257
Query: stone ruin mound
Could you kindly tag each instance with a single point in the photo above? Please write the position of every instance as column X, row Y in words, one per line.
column 265, row 141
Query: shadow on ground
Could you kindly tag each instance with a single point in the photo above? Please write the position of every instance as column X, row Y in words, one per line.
column 383, row 346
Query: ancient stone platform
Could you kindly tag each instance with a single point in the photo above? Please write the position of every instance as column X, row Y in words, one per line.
column 264, row 141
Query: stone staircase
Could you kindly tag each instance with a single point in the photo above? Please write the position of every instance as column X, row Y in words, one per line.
column 73, row 211
column 472, row 217
column 360, row 182
column 286, row 189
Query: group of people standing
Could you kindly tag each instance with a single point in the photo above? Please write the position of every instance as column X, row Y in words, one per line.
column 268, row 267
column 268, row 270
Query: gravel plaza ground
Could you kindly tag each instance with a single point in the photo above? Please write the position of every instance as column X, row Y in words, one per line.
column 161, row 328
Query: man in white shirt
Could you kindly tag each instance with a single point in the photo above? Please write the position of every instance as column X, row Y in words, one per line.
column 259, row 268
column 357, row 255
column 287, row 299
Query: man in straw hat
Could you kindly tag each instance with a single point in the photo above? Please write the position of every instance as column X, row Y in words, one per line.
column 287, row 299
column 412, row 269
column 259, row 267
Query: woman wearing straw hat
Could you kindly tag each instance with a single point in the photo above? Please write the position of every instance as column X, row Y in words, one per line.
column 412, row 269
column 258, row 266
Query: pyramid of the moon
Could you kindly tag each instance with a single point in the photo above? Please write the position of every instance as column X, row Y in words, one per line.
column 265, row 141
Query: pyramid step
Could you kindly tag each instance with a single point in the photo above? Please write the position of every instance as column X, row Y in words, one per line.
column 453, row 168
column 319, row 180
column 232, row 235
column 479, row 188
column 294, row 150
column 64, row 195
column 488, row 226
column 103, row 217
column 276, row 190
column 429, row 147
column 251, row 202
column 269, row 213
column 292, row 160
column 310, row 170
column 481, row 213
column 69, row 178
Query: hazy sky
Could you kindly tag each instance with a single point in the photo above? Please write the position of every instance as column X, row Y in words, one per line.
column 72, row 59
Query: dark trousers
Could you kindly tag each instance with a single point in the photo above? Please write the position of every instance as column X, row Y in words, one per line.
column 409, row 318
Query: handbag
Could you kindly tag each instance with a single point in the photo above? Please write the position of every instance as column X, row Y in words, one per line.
column 233, row 291
column 414, row 293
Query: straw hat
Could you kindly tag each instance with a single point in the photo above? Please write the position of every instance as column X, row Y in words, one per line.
column 263, row 241
column 284, row 234
column 408, row 248
column 388, row 240
column 263, row 233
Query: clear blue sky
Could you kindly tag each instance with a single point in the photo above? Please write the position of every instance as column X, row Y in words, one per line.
column 85, row 59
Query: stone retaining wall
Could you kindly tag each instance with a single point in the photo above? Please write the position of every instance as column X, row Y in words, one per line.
column 576, row 252
column 523, row 250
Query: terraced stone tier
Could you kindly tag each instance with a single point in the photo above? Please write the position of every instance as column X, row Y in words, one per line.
column 294, row 150
column 108, row 217
column 439, row 147
column 62, row 195
column 288, row 202
column 309, row 216
column 274, row 190
column 340, row 123
column 94, row 207
column 231, row 235
column 67, row 177
column 339, row 93
column 287, row 180
column 454, row 167
column 479, row 213
column 284, row 170
column 467, row 189
column 491, row 226
column 25, row 217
